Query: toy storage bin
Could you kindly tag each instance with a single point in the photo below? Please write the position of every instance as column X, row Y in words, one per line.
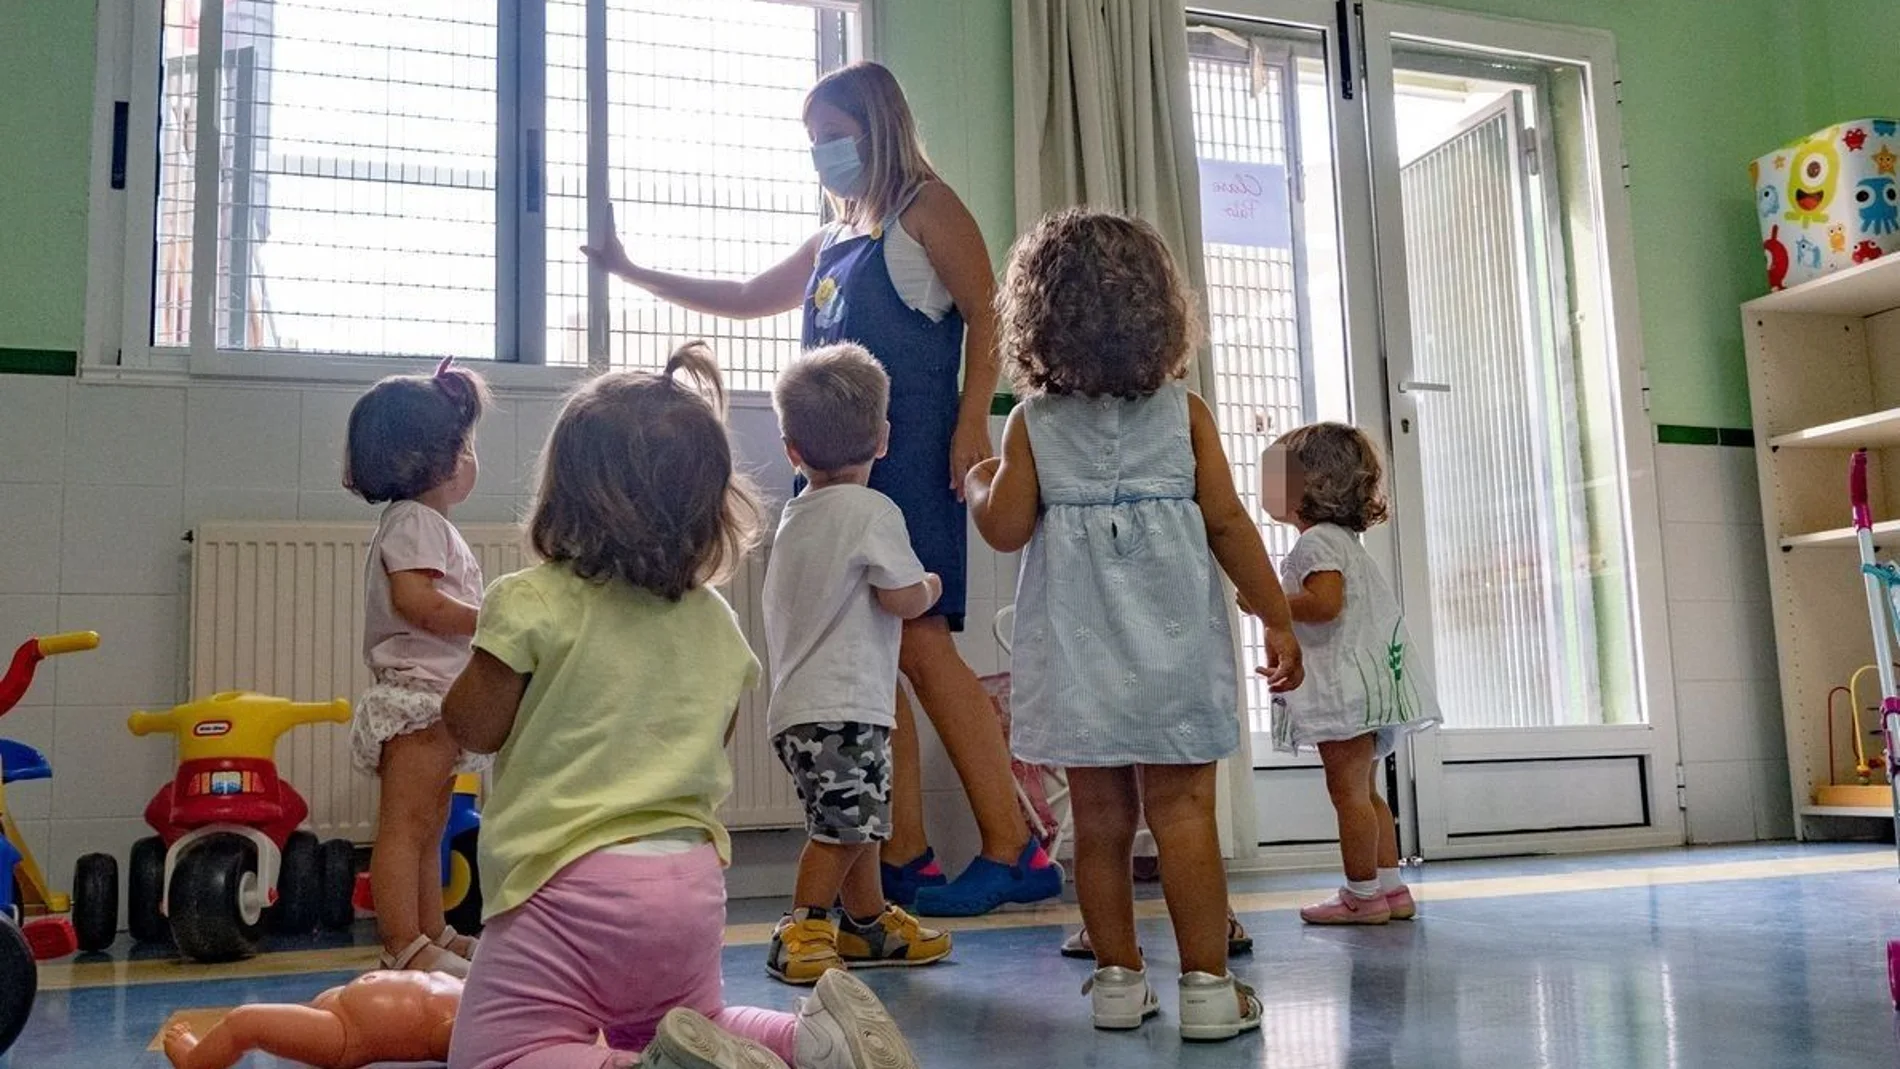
column 1829, row 200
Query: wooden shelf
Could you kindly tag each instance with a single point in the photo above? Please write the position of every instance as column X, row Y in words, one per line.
column 1880, row 811
column 1840, row 537
column 1862, row 290
column 1877, row 430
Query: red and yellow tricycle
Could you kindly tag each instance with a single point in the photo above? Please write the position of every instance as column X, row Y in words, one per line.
column 230, row 853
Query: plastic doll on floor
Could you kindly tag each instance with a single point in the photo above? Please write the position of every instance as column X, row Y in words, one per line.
column 409, row 1016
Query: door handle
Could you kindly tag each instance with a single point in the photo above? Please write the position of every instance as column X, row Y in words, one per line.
column 1412, row 386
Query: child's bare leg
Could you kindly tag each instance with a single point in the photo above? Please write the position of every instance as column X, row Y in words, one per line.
column 1179, row 803
column 1107, row 807
column 299, row 1033
column 822, row 869
column 1388, row 830
column 429, row 917
column 863, row 890
column 415, row 768
column 1347, row 778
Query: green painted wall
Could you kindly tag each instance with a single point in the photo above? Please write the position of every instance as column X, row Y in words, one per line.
column 45, row 133
column 1707, row 87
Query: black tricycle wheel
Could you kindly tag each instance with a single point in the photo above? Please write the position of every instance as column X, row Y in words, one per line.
column 96, row 901
column 337, row 864
column 299, row 887
column 145, row 892
column 19, row 982
column 206, row 900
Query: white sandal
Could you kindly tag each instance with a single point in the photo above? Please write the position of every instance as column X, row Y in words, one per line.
column 463, row 946
column 422, row 955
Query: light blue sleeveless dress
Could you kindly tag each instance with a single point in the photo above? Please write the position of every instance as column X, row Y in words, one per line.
column 1123, row 653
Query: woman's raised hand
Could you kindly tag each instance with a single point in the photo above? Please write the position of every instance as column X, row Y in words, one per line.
column 610, row 256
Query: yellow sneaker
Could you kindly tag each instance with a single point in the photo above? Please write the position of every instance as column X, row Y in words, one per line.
column 804, row 947
column 895, row 938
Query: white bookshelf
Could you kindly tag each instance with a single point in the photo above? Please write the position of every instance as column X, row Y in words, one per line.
column 1824, row 380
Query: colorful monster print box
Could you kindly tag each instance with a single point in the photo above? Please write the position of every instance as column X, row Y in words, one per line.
column 1829, row 200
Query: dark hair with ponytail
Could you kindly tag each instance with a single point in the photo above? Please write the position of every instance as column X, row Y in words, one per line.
column 408, row 432
column 637, row 482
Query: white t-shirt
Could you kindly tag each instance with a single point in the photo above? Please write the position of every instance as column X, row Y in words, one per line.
column 414, row 537
column 911, row 272
column 833, row 648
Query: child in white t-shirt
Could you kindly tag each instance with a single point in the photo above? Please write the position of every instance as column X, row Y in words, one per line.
column 842, row 580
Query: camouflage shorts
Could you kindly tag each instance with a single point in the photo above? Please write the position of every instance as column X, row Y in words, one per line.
column 843, row 775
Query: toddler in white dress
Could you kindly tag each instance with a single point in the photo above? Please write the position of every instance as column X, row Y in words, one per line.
column 1365, row 686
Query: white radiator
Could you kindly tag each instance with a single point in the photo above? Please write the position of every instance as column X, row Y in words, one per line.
column 278, row 608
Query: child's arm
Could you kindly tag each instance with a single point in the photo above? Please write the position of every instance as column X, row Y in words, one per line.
column 1321, row 600
column 1236, row 544
column 1003, row 493
column 480, row 707
column 910, row 602
column 413, row 595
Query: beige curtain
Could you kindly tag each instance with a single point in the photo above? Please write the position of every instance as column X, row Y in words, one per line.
column 1103, row 119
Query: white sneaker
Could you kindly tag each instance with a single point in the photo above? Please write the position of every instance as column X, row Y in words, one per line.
column 1210, row 1007
column 842, row 1025
column 686, row 1040
column 1121, row 999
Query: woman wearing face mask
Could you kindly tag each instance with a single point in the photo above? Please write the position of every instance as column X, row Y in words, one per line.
column 904, row 272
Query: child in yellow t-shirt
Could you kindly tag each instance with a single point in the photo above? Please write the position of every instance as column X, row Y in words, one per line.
column 606, row 680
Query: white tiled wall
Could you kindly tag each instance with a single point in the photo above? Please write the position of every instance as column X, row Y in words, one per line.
column 1728, row 701
column 99, row 485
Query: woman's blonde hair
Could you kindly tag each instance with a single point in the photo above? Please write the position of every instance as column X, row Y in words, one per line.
column 637, row 482
column 892, row 153
column 1341, row 476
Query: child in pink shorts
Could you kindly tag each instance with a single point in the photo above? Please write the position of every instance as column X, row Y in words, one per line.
column 606, row 680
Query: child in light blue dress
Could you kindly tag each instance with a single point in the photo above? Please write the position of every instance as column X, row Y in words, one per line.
column 1113, row 484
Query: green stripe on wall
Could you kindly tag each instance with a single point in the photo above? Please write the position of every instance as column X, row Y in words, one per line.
column 1740, row 438
column 38, row 362
column 1001, row 404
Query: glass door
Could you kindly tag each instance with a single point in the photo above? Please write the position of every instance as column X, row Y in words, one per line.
column 1413, row 220
column 1287, row 245
column 1514, row 434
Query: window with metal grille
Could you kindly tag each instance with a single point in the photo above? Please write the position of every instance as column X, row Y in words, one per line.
column 413, row 179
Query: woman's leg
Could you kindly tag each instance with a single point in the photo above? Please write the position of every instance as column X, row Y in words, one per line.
column 1107, row 808
column 908, row 839
column 1179, row 803
column 1348, row 777
column 415, row 770
column 960, row 710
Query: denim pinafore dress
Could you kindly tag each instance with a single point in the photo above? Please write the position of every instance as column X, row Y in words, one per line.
column 851, row 298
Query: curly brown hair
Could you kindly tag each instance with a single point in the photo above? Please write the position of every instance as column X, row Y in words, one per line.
column 1341, row 476
column 1093, row 304
column 407, row 433
column 637, row 482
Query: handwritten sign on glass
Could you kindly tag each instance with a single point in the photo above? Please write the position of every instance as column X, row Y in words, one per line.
column 1245, row 204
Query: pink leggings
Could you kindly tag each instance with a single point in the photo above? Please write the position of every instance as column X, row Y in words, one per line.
column 609, row 945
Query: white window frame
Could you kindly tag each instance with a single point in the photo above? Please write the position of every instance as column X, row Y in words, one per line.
column 117, row 345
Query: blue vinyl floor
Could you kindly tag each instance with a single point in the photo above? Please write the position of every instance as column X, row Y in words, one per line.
column 1691, row 970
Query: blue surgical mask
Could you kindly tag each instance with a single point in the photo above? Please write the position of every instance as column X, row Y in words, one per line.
column 839, row 168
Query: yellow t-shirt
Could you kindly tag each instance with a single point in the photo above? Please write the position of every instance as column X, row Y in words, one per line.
column 621, row 732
